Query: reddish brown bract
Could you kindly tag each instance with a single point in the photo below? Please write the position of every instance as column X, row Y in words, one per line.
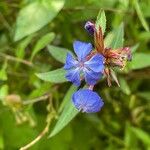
column 113, row 57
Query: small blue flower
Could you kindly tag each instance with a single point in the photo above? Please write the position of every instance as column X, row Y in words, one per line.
column 83, row 68
column 90, row 27
column 87, row 101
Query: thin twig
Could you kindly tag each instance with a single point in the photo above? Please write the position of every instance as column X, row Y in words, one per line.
column 17, row 74
column 15, row 5
column 37, row 139
column 12, row 58
column 95, row 9
column 50, row 116
column 41, row 98
column 143, row 73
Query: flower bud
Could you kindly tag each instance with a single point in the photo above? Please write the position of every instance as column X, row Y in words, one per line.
column 90, row 27
column 127, row 51
column 14, row 101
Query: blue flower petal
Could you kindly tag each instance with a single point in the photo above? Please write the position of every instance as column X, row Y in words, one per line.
column 91, row 77
column 95, row 63
column 88, row 101
column 70, row 62
column 74, row 76
column 82, row 49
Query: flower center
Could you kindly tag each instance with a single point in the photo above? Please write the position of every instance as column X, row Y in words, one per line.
column 81, row 65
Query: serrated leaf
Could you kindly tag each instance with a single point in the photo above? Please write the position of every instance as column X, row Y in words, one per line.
column 67, row 97
column 118, row 38
column 67, row 115
column 42, row 42
column 108, row 39
column 58, row 53
column 35, row 15
column 139, row 61
column 140, row 15
column 101, row 21
column 55, row 76
column 142, row 135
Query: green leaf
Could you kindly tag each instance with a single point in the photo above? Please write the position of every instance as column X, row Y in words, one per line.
column 3, row 92
column 66, row 116
column 67, row 97
column 139, row 61
column 108, row 39
column 142, row 135
column 134, row 48
column 101, row 21
column 42, row 42
column 3, row 73
column 140, row 15
column 145, row 95
column 55, row 76
column 58, row 53
column 144, row 36
column 124, row 86
column 20, row 50
column 130, row 139
column 118, row 38
column 35, row 15
column 1, row 142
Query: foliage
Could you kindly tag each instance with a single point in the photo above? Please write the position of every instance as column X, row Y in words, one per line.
column 35, row 38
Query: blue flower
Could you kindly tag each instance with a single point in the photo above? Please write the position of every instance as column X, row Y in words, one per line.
column 90, row 27
column 87, row 101
column 83, row 67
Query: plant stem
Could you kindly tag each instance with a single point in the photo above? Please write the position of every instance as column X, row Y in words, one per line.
column 12, row 58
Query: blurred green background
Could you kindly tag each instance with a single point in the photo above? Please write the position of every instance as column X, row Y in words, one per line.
column 27, row 27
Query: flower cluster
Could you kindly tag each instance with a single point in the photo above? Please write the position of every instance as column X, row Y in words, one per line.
column 89, row 65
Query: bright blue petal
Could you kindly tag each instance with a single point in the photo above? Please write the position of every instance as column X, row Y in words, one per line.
column 88, row 101
column 74, row 76
column 70, row 62
column 95, row 63
column 82, row 49
column 91, row 77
